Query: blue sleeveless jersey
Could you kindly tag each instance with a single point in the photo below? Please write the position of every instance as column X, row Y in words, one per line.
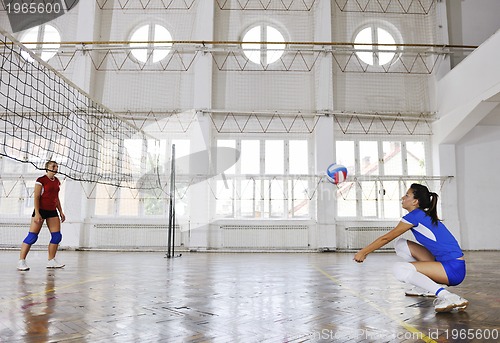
column 436, row 238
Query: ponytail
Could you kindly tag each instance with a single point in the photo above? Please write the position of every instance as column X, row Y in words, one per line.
column 427, row 201
column 432, row 211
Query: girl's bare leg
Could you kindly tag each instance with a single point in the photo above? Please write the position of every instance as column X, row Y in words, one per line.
column 35, row 227
column 54, row 225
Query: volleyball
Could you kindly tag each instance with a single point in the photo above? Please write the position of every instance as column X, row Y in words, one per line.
column 336, row 173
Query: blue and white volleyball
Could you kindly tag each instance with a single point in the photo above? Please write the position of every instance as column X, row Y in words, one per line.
column 336, row 173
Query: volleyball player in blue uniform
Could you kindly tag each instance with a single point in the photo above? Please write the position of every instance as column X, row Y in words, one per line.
column 436, row 259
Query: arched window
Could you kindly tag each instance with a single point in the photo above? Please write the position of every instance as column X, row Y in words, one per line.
column 146, row 50
column 43, row 40
column 263, row 53
column 377, row 54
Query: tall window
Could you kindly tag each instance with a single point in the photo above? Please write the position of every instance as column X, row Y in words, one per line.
column 263, row 53
column 382, row 170
column 148, row 160
column 43, row 40
column 151, row 46
column 270, row 180
column 17, row 183
column 370, row 45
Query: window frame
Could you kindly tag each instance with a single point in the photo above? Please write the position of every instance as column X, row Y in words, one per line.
column 150, row 47
column 261, row 182
column 262, row 48
column 117, row 200
column 374, row 26
column 40, row 45
column 356, row 179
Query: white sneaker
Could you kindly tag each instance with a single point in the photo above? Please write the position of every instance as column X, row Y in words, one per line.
column 450, row 302
column 419, row 292
column 22, row 266
column 54, row 264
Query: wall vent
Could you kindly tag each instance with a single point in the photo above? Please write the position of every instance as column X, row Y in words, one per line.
column 265, row 236
column 12, row 234
column 131, row 236
column 360, row 236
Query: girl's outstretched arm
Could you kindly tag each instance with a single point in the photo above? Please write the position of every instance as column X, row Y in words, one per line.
column 382, row 240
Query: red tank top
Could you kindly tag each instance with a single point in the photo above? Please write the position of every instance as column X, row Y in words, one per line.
column 50, row 192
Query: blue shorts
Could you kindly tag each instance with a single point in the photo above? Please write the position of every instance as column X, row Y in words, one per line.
column 455, row 270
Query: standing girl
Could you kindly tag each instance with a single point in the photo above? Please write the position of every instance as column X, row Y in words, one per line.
column 436, row 261
column 47, row 207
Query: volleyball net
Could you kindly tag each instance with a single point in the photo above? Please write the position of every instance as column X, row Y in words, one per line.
column 44, row 116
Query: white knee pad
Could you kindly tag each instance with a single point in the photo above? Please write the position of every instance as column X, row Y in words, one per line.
column 403, row 250
column 403, row 270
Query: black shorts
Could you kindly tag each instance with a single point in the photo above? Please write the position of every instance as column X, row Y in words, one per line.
column 47, row 214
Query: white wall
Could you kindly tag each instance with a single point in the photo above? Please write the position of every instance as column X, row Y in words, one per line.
column 479, row 20
column 470, row 22
column 467, row 144
column 478, row 163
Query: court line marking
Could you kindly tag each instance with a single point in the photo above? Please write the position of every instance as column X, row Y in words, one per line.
column 406, row 326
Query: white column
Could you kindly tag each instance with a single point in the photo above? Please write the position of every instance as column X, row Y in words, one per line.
column 199, row 196
column 76, row 205
column 326, row 202
column 449, row 198
column 200, row 134
column 83, row 71
column 325, row 234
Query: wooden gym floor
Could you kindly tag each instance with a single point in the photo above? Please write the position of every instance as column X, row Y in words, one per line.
column 227, row 297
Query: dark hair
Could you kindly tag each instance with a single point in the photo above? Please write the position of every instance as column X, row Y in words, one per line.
column 427, row 201
column 48, row 163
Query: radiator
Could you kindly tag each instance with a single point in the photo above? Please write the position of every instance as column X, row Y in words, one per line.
column 131, row 236
column 360, row 236
column 265, row 236
column 12, row 234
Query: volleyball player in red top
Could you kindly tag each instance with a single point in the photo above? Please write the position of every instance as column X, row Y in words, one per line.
column 48, row 208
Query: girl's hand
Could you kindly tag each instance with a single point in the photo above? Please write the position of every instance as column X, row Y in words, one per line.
column 359, row 257
column 63, row 217
column 38, row 218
